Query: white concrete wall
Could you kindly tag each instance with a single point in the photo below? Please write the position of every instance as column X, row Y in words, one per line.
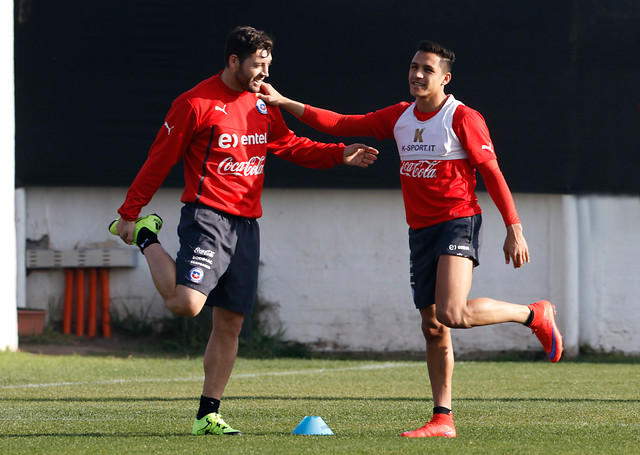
column 8, row 277
column 609, row 242
column 335, row 265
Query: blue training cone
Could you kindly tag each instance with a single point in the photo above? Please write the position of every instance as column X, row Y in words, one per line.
column 312, row 425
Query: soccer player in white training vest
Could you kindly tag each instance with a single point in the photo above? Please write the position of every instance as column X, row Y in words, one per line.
column 441, row 143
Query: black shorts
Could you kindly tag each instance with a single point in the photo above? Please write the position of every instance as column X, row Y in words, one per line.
column 458, row 237
column 219, row 256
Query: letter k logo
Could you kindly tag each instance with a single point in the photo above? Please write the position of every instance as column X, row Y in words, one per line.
column 417, row 137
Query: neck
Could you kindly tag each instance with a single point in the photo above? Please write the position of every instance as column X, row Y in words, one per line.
column 432, row 103
column 230, row 81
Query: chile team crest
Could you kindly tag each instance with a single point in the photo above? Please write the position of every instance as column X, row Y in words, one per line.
column 262, row 107
column 196, row 274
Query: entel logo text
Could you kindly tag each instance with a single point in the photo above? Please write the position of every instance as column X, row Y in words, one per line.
column 227, row 140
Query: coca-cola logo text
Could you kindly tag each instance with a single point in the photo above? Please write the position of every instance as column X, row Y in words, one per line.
column 419, row 169
column 203, row 252
column 254, row 166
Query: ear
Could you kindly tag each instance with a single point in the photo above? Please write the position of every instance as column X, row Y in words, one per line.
column 234, row 62
column 447, row 79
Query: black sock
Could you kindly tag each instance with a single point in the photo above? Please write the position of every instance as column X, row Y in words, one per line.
column 441, row 410
column 529, row 319
column 145, row 238
column 207, row 406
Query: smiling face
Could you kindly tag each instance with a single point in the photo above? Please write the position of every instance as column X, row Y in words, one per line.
column 427, row 76
column 249, row 74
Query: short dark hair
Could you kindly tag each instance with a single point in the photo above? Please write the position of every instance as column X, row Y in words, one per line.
column 447, row 57
column 244, row 41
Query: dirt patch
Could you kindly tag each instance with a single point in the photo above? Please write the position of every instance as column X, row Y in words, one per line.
column 119, row 345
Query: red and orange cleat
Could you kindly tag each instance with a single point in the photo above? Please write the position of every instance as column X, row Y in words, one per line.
column 545, row 328
column 441, row 425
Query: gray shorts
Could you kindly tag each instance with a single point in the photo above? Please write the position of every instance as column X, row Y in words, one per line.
column 458, row 237
column 219, row 256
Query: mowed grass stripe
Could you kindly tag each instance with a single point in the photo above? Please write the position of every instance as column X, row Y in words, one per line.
column 377, row 366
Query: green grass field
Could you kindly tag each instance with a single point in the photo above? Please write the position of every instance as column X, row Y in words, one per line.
column 108, row 405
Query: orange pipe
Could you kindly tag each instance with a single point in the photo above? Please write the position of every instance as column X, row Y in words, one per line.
column 79, row 302
column 104, row 297
column 68, row 301
column 92, row 303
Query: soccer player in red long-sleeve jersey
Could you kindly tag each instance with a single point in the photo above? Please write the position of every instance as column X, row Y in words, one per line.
column 222, row 131
column 441, row 143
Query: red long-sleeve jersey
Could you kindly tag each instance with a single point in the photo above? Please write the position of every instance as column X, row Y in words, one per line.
column 223, row 137
column 439, row 153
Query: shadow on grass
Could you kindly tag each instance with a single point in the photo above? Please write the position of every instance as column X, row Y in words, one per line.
column 392, row 399
column 96, row 435
column 318, row 398
column 98, row 400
